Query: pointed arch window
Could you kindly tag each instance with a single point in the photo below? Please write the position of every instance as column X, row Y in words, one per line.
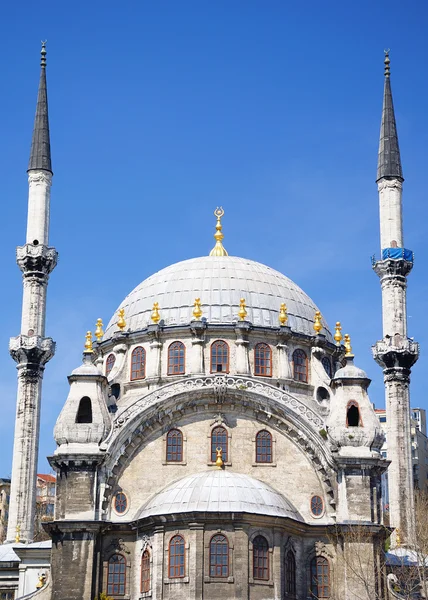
column 84, row 412
column 176, row 358
column 290, row 574
column 145, row 571
column 263, row 360
column 300, row 366
column 219, row 440
column 260, row 558
column 138, row 363
column 219, row 556
column 116, row 577
column 176, row 557
column 219, row 357
column 353, row 416
column 111, row 359
column 327, row 366
column 320, row 577
column 174, row 446
column 263, row 447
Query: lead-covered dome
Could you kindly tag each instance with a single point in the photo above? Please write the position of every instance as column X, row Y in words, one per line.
column 219, row 491
column 220, row 282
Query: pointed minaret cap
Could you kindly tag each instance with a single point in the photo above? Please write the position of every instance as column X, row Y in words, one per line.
column 40, row 155
column 389, row 161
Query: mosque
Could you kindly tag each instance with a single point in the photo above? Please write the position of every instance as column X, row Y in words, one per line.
column 218, row 440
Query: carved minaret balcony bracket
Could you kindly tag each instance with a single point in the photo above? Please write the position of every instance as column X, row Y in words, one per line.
column 31, row 351
column 36, row 261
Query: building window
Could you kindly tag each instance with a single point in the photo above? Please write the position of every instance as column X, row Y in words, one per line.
column 174, row 446
column 116, row 575
column 120, row 503
column 300, row 366
column 176, row 354
column 327, row 366
column 382, row 419
column 50, row 509
column 111, row 359
column 353, row 418
column 219, row 440
column 219, row 556
column 263, row 360
column 176, row 557
column 219, row 357
column 290, row 574
column 260, row 558
column 84, row 412
column 138, row 363
column 145, row 571
column 263, row 447
column 317, row 506
column 320, row 577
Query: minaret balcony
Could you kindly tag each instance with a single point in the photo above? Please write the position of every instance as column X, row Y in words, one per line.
column 31, row 349
column 36, row 260
column 396, row 352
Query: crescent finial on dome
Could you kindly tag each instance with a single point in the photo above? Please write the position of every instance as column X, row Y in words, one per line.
column 219, row 249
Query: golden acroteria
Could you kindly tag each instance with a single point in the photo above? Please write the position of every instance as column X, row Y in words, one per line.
column 197, row 310
column 99, row 330
column 155, row 316
column 121, row 323
column 347, row 344
column 338, row 333
column 317, row 322
column 219, row 460
column 283, row 317
column 219, row 249
column 88, row 343
column 242, row 313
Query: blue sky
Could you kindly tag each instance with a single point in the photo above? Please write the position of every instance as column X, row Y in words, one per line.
column 160, row 111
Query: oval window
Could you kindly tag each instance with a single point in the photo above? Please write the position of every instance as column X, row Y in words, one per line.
column 120, row 503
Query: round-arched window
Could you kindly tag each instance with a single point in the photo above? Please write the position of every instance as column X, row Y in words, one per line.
column 317, row 506
column 120, row 503
column 327, row 366
column 111, row 359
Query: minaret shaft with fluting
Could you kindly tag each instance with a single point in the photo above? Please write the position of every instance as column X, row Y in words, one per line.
column 31, row 349
column 395, row 352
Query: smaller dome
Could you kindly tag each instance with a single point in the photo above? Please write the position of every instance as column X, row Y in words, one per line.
column 350, row 371
column 219, row 491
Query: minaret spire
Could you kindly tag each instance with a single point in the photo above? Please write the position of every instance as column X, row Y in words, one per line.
column 31, row 349
column 395, row 353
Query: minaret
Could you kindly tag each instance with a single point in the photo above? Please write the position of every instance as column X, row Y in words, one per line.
column 31, row 349
column 395, row 353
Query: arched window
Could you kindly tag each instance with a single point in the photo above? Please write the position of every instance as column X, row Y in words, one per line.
column 116, row 577
column 219, row 440
column 174, row 446
column 327, row 366
column 138, row 363
column 120, row 503
column 263, row 447
column 260, row 558
column 300, row 366
column 263, row 360
column 320, row 577
column 176, row 557
column 145, row 571
column 353, row 417
column 176, row 354
column 290, row 574
column 111, row 359
column 84, row 413
column 317, row 506
column 219, row 556
column 219, row 357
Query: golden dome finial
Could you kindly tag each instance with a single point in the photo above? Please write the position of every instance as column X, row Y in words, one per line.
column 197, row 311
column 317, row 323
column 99, row 330
column 219, row 249
column 347, row 344
column 242, row 313
column 155, row 316
column 283, row 317
column 121, row 323
column 88, row 343
column 219, row 460
column 337, row 334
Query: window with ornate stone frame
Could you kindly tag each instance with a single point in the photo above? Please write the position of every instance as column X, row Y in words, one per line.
column 117, row 576
column 261, row 558
column 319, row 577
column 166, row 439
column 209, row 536
column 146, row 572
column 257, row 440
column 219, row 436
column 172, row 557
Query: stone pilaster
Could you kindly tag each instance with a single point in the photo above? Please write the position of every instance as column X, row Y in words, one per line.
column 198, row 341
column 242, row 359
column 158, row 556
column 196, row 561
column 154, row 358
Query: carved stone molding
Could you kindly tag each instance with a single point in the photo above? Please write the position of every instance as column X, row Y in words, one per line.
column 39, row 177
column 389, row 183
column 396, row 353
column 36, row 260
column 393, row 268
column 34, row 351
column 117, row 545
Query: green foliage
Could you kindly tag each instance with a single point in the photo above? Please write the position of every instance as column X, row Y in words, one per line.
column 323, row 433
column 103, row 596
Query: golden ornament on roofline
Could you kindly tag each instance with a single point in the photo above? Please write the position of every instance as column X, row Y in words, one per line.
column 347, row 344
column 155, row 316
column 242, row 313
column 99, row 330
column 219, row 249
column 219, row 460
column 121, row 323
column 88, row 343
column 197, row 311
column 317, row 323
column 337, row 334
column 283, row 317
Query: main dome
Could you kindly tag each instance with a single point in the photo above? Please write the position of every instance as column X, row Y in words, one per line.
column 220, row 282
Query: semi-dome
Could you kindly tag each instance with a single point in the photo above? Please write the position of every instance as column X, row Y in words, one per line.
column 219, row 491
column 220, row 282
